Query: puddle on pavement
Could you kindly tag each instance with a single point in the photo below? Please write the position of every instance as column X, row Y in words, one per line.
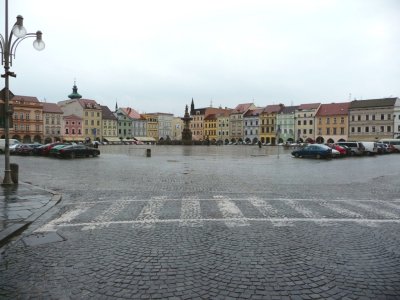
column 42, row 238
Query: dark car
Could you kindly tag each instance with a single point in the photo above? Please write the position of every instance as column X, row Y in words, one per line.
column 45, row 149
column 314, row 150
column 24, row 149
column 77, row 151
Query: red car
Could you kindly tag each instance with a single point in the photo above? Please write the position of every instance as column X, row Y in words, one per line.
column 341, row 150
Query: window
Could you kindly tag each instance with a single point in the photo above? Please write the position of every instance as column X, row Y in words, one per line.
column 358, row 118
column 304, row 131
column 298, row 122
column 358, row 129
column 352, row 118
column 341, row 130
column 310, row 131
column 66, row 131
column 367, row 129
column 342, row 120
column 373, row 117
column 382, row 128
column 334, row 131
column 21, row 116
column 367, row 117
column 319, row 120
column 373, row 129
column 389, row 128
column 319, row 131
column 311, row 122
column 389, row 116
column 305, row 122
column 382, row 117
column 73, row 131
column 27, row 116
column 328, row 120
column 328, row 131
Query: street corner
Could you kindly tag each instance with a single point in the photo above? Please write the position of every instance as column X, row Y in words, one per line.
column 20, row 205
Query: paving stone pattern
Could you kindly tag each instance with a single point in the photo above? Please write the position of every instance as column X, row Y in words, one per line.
column 215, row 247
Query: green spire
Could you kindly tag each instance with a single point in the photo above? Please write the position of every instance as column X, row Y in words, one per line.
column 74, row 94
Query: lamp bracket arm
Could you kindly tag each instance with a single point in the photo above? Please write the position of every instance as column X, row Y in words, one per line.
column 15, row 44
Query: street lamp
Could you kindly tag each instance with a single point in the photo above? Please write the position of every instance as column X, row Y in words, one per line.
column 8, row 48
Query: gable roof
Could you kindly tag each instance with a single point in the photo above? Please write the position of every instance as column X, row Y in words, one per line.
column 242, row 108
column 373, row 103
column 24, row 98
column 309, row 106
column 289, row 109
column 72, row 117
column 333, row 109
column 107, row 113
column 269, row 109
column 130, row 112
column 88, row 103
column 51, row 108
column 253, row 112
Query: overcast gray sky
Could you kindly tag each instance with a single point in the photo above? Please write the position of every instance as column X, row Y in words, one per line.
column 155, row 55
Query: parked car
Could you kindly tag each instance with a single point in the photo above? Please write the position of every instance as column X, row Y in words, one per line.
column 356, row 148
column 313, row 150
column 54, row 150
column 45, row 149
column 342, row 151
column 24, row 149
column 73, row 151
column 13, row 149
column 10, row 143
column 371, row 148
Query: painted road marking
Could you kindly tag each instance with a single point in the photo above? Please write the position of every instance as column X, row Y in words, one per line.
column 66, row 217
column 108, row 214
column 374, row 210
column 191, row 212
column 237, row 221
column 340, row 210
column 151, row 212
column 230, row 212
column 266, row 209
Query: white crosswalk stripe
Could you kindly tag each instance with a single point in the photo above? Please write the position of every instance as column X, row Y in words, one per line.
column 374, row 210
column 65, row 218
column 108, row 214
column 151, row 212
column 267, row 210
column 230, row 211
column 193, row 211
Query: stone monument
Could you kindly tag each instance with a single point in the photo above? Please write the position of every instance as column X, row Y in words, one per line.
column 186, row 132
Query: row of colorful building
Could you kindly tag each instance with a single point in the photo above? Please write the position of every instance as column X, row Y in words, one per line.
column 79, row 119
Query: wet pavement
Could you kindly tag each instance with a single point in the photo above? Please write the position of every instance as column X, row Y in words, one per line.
column 20, row 205
column 234, row 222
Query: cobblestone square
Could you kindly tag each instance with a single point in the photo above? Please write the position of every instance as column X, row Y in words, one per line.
column 210, row 223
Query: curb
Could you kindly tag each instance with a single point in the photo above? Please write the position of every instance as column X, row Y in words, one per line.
column 17, row 228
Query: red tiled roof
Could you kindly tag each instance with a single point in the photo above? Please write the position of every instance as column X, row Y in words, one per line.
column 24, row 98
column 72, row 117
column 131, row 113
column 241, row 108
column 333, row 109
column 85, row 103
column 253, row 112
column 309, row 106
column 51, row 108
column 269, row 109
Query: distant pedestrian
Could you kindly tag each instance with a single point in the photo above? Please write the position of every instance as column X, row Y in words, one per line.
column 259, row 144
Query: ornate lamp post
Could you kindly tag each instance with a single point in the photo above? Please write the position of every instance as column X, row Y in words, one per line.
column 8, row 48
